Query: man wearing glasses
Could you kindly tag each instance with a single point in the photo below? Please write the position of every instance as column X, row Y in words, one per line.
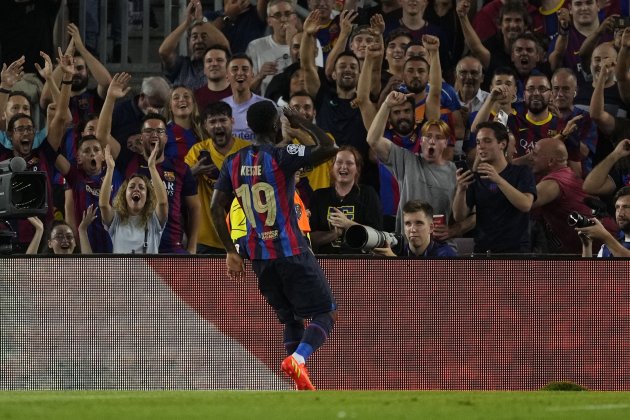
column 537, row 122
column 270, row 54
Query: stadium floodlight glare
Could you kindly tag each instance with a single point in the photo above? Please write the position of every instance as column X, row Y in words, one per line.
column 22, row 193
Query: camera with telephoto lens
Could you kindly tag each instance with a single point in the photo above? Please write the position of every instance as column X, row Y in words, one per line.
column 578, row 220
column 367, row 238
column 598, row 210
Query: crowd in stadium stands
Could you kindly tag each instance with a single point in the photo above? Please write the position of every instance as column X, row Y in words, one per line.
column 500, row 122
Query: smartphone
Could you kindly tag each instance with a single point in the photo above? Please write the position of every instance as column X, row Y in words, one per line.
column 204, row 155
column 622, row 22
column 462, row 164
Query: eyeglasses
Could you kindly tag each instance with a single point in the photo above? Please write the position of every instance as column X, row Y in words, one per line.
column 24, row 129
column 69, row 237
column 151, row 131
column 280, row 15
column 540, row 89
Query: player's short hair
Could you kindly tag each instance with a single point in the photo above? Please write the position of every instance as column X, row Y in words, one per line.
column 217, row 108
column 500, row 131
column 413, row 206
column 262, row 117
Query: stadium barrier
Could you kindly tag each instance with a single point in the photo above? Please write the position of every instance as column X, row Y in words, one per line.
column 179, row 323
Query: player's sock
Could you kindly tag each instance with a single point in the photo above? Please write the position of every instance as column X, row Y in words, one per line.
column 293, row 333
column 315, row 335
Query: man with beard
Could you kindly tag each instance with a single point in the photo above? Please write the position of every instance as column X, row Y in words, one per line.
column 217, row 88
column 205, row 160
column 189, row 71
column 83, row 101
column 428, row 177
column 337, row 112
column 611, row 248
column 495, row 51
column 537, row 122
column 21, row 131
column 499, row 193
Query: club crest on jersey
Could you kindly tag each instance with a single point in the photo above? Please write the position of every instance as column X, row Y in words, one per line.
column 169, row 176
column 296, row 149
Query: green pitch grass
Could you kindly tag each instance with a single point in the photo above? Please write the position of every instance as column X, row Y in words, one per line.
column 320, row 405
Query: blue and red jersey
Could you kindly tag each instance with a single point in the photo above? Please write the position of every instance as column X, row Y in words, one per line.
column 85, row 191
column 179, row 141
column 262, row 178
column 527, row 132
column 179, row 184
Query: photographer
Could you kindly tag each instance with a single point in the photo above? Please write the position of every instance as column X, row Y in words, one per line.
column 612, row 247
column 417, row 228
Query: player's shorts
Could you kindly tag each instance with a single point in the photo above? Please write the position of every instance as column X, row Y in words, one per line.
column 294, row 286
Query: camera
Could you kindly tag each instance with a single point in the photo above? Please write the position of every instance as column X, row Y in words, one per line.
column 578, row 220
column 367, row 238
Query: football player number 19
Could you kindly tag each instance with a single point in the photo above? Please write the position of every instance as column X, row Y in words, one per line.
column 260, row 198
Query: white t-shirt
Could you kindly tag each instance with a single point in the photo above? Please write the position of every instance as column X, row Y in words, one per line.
column 239, row 113
column 128, row 237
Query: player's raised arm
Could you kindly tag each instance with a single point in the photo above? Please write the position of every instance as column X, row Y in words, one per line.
column 325, row 147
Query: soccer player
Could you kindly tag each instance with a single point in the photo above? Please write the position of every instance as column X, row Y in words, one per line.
column 289, row 277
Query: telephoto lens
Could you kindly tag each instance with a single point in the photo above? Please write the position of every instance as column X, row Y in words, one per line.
column 578, row 220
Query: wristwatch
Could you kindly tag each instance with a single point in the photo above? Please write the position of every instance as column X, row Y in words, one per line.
column 226, row 19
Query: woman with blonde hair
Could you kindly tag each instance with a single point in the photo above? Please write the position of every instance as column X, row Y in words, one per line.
column 138, row 216
column 184, row 123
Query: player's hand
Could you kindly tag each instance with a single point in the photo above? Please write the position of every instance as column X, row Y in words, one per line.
column 235, row 266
